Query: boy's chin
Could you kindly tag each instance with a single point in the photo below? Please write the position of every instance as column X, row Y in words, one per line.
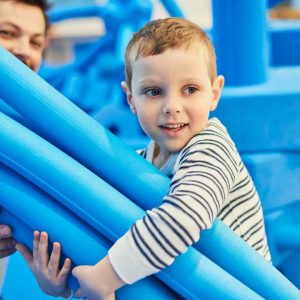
column 175, row 147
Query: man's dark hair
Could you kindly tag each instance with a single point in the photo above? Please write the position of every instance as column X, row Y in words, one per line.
column 44, row 5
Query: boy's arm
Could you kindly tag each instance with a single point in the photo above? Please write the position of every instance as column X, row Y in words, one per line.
column 51, row 279
column 197, row 193
column 200, row 187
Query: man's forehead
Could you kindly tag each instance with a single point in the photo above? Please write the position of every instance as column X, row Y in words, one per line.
column 24, row 16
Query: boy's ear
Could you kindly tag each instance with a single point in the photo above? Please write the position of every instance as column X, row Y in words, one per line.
column 217, row 87
column 129, row 96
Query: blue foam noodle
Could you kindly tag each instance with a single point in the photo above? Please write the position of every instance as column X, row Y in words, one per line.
column 5, row 108
column 104, row 208
column 28, row 208
column 54, row 117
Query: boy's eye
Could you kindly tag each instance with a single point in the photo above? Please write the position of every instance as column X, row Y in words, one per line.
column 190, row 90
column 153, row 92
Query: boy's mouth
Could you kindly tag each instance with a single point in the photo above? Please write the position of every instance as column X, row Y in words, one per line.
column 173, row 126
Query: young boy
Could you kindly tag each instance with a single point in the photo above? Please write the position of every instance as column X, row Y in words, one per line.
column 171, row 85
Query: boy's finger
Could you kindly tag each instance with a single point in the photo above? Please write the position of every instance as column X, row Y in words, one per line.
column 26, row 253
column 65, row 270
column 43, row 257
column 53, row 264
column 36, row 239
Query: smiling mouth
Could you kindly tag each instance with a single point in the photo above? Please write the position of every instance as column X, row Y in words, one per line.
column 173, row 127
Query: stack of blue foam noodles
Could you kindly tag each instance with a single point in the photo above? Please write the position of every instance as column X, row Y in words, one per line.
column 67, row 170
column 36, row 207
column 260, row 108
column 107, row 204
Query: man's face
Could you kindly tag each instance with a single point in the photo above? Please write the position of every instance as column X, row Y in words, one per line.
column 22, row 32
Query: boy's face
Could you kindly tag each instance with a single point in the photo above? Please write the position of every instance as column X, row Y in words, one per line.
column 22, row 32
column 172, row 96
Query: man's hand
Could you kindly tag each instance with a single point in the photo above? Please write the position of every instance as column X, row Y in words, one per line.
column 7, row 242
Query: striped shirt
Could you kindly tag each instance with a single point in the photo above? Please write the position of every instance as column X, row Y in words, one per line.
column 209, row 180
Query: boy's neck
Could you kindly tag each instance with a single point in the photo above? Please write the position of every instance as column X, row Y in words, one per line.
column 159, row 158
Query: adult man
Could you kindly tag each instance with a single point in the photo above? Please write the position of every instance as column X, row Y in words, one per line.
column 23, row 32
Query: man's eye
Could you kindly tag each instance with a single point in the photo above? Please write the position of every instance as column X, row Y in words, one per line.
column 37, row 45
column 152, row 92
column 190, row 90
column 7, row 34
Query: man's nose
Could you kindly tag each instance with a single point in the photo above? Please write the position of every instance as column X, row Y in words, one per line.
column 21, row 48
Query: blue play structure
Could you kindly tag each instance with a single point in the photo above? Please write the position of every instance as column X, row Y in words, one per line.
column 87, row 189
column 46, row 178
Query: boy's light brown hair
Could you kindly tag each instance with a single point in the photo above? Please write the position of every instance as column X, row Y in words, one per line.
column 171, row 33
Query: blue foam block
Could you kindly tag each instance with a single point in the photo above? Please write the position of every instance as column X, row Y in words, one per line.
column 240, row 38
column 283, row 226
column 264, row 117
column 276, row 177
column 285, row 42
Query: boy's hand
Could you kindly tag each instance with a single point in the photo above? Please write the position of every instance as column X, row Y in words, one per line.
column 50, row 278
column 97, row 282
column 89, row 281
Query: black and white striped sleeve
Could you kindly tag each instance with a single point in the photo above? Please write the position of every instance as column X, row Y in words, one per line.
column 205, row 173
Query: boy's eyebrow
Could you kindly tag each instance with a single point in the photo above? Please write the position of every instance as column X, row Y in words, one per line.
column 195, row 78
column 148, row 80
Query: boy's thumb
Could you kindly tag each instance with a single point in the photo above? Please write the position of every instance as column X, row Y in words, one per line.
column 75, row 272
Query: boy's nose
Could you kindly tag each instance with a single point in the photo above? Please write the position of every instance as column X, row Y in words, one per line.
column 171, row 105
